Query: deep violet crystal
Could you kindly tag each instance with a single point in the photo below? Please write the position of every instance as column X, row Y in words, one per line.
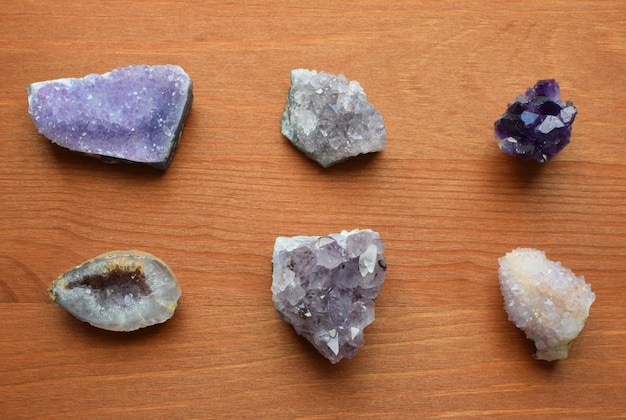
column 538, row 125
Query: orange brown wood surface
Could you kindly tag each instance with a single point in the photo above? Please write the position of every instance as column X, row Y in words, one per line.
column 445, row 200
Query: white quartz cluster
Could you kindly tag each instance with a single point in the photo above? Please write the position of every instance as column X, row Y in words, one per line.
column 329, row 119
column 544, row 299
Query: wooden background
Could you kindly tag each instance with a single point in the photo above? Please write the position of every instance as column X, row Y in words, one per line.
column 445, row 200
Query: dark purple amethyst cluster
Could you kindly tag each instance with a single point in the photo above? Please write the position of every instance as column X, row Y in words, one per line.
column 538, row 124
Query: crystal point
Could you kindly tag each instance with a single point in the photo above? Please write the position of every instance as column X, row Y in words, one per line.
column 538, row 125
column 325, row 287
column 544, row 299
column 118, row 291
column 131, row 114
column 329, row 119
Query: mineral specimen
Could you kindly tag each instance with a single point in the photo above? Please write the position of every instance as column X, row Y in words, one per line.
column 544, row 299
column 329, row 119
column 118, row 291
column 537, row 125
column 325, row 287
column 132, row 114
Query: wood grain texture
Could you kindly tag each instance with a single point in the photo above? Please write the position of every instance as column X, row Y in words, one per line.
column 445, row 200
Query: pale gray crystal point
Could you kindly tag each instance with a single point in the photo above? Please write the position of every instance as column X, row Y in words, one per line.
column 329, row 119
column 325, row 287
column 544, row 299
column 118, row 291
column 131, row 114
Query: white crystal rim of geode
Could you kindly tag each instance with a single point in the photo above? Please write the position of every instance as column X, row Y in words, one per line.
column 130, row 312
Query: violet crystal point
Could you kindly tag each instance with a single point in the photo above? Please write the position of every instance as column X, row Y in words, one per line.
column 329, row 119
column 134, row 114
column 325, row 287
column 537, row 125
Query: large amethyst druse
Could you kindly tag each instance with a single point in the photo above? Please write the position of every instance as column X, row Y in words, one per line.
column 325, row 287
column 537, row 125
column 131, row 114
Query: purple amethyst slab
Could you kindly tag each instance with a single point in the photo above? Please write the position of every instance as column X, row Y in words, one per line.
column 538, row 125
column 325, row 287
column 131, row 114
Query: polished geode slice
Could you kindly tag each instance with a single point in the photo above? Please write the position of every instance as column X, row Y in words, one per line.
column 131, row 114
column 329, row 119
column 538, row 125
column 325, row 287
column 544, row 299
column 118, row 291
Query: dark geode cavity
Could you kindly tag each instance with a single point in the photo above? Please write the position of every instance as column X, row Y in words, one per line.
column 118, row 291
column 538, row 125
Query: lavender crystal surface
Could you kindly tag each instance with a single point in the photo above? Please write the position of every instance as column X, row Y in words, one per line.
column 538, row 125
column 544, row 299
column 133, row 114
column 325, row 287
column 329, row 119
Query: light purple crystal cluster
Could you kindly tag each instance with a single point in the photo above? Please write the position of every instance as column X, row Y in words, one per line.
column 325, row 287
column 329, row 119
column 134, row 113
column 538, row 125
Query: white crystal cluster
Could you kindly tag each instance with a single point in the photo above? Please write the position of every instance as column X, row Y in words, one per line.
column 325, row 287
column 544, row 299
column 329, row 119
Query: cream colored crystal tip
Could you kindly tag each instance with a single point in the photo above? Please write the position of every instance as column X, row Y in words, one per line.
column 545, row 300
